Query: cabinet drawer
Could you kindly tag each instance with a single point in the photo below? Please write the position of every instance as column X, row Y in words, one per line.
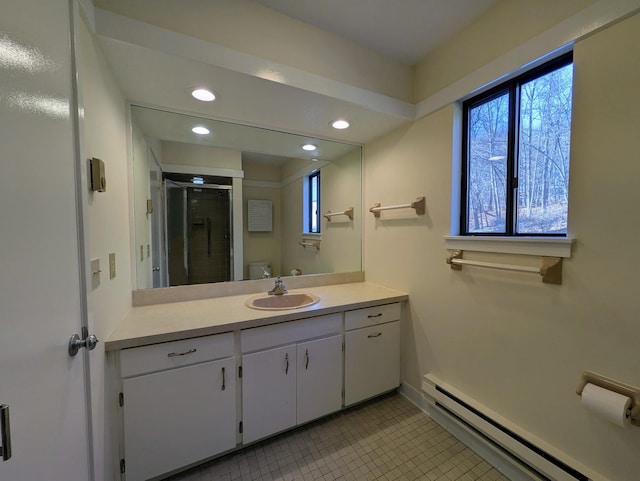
column 168, row 355
column 371, row 316
column 267, row 337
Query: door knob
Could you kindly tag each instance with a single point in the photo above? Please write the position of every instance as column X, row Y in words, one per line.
column 75, row 343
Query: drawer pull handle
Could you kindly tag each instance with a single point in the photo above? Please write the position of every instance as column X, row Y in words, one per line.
column 374, row 335
column 286, row 358
column 174, row 354
column 223, row 380
column 5, row 433
column 371, row 316
column 306, row 364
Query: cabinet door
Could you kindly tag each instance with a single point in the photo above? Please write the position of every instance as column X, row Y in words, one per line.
column 371, row 361
column 319, row 378
column 178, row 417
column 268, row 392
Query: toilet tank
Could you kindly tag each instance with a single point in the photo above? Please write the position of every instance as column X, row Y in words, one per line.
column 259, row 269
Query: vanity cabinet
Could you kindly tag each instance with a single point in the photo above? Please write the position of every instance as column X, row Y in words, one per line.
column 187, row 401
column 179, row 404
column 371, row 352
column 290, row 384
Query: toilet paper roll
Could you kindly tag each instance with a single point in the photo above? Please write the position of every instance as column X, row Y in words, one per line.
column 607, row 404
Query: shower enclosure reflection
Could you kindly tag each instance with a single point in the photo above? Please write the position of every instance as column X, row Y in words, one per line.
column 199, row 231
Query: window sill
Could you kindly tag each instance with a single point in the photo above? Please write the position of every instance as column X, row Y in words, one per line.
column 314, row 235
column 533, row 246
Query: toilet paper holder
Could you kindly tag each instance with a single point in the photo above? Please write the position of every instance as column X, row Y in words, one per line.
column 589, row 377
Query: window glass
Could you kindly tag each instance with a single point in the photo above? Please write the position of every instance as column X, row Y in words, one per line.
column 313, row 204
column 516, row 155
column 543, row 161
column 488, row 137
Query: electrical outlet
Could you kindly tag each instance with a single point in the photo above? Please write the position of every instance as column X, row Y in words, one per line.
column 112, row 265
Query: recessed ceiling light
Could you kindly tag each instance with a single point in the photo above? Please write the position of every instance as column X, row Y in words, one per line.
column 340, row 124
column 309, row 147
column 203, row 94
column 200, row 130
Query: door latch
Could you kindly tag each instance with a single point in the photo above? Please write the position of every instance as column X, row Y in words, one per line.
column 75, row 343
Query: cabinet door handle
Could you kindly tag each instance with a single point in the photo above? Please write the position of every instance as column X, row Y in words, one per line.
column 223, row 380
column 371, row 316
column 374, row 335
column 286, row 359
column 174, row 354
column 306, row 363
column 5, row 433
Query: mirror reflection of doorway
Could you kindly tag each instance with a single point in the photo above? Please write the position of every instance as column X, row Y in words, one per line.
column 199, row 230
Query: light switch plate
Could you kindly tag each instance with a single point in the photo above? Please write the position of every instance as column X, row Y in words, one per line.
column 95, row 273
column 112, row 265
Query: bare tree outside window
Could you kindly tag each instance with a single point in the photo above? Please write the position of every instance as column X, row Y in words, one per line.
column 543, row 163
column 517, row 155
column 488, row 137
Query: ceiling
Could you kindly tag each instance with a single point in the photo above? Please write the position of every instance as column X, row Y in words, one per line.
column 157, row 67
column 405, row 30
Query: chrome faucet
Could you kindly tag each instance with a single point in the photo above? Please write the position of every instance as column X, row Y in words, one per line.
column 278, row 289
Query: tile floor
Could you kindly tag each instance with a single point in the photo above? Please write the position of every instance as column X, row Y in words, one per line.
column 386, row 439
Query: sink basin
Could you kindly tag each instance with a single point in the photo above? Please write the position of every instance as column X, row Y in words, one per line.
column 286, row 301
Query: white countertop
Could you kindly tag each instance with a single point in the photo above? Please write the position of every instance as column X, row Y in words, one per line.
column 180, row 320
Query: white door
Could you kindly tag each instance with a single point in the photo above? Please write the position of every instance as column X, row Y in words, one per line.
column 40, row 300
column 319, row 378
column 268, row 392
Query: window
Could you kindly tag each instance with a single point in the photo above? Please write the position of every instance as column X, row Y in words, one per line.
column 311, row 194
column 515, row 155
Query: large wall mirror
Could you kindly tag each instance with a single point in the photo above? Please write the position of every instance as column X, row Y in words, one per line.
column 232, row 202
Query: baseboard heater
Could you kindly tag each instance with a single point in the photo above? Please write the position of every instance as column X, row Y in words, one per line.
column 535, row 455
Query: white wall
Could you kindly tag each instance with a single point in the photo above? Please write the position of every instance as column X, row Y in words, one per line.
column 263, row 246
column 178, row 153
column 105, row 137
column 252, row 29
column 340, row 184
column 262, row 182
column 514, row 344
column 502, row 28
column 340, row 246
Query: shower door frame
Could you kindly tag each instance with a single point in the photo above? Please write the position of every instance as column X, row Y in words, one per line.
column 189, row 185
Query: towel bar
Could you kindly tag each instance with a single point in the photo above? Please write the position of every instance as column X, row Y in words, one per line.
column 550, row 270
column 348, row 213
column 418, row 205
column 309, row 243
